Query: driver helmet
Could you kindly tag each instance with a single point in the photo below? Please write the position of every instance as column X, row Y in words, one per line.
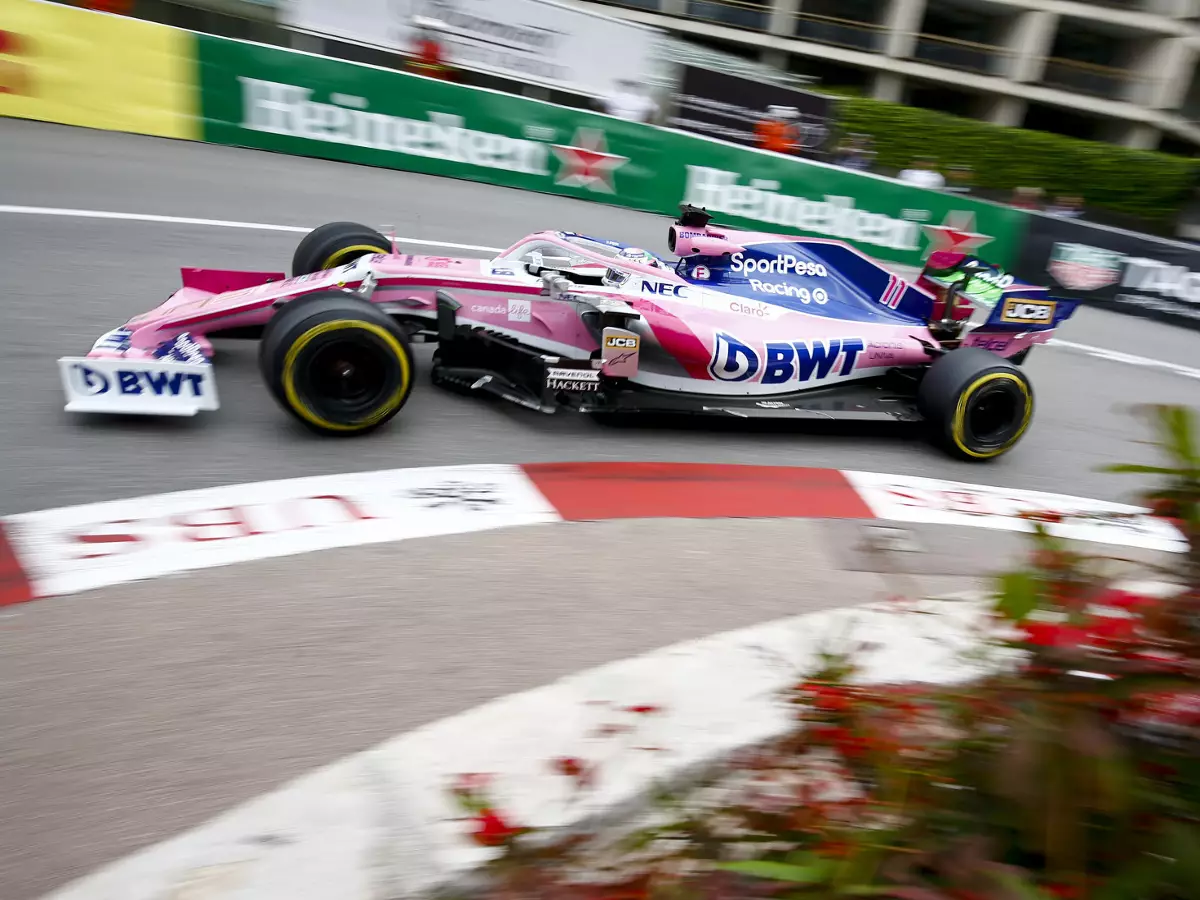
column 616, row 277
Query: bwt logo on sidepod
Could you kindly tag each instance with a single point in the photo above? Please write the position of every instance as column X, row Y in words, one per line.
column 781, row 361
column 135, row 383
column 664, row 289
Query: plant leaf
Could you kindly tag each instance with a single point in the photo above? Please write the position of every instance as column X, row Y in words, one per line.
column 1018, row 885
column 776, row 871
column 1018, row 595
column 1132, row 469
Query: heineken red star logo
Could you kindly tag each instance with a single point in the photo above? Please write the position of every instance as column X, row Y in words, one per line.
column 956, row 234
column 586, row 161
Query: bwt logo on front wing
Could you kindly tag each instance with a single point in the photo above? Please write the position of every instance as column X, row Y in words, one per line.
column 140, row 383
column 1028, row 312
column 781, row 361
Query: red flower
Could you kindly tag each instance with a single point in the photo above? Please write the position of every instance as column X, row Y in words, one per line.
column 1063, row 891
column 491, row 830
column 834, row 848
column 644, row 709
column 1112, row 628
column 1166, row 508
column 1124, row 600
column 1051, row 518
column 831, row 699
column 569, row 766
column 1049, row 634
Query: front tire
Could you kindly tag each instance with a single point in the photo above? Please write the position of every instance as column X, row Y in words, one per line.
column 336, row 244
column 336, row 363
column 977, row 404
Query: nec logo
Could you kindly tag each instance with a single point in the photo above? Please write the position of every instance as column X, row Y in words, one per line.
column 663, row 289
column 135, row 383
column 622, row 343
column 1028, row 312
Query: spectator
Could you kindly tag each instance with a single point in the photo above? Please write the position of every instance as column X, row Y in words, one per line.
column 428, row 57
column 923, row 173
column 1066, row 207
column 855, row 153
column 775, row 131
column 1027, row 198
column 630, row 101
column 961, row 180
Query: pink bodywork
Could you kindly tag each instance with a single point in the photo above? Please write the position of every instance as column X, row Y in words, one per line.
column 685, row 328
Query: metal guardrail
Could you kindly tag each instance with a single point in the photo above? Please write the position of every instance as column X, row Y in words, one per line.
column 847, row 33
column 968, row 56
column 752, row 16
column 1094, row 80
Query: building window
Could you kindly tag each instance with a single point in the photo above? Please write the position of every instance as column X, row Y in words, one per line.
column 963, row 37
column 751, row 14
column 857, row 24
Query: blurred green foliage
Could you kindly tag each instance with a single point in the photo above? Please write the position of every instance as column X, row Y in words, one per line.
column 1150, row 185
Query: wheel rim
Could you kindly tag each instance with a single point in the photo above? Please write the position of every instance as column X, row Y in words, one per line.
column 346, row 380
column 995, row 416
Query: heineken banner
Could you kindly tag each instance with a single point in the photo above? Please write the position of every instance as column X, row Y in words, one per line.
column 729, row 107
column 1118, row 270
column 274, row 99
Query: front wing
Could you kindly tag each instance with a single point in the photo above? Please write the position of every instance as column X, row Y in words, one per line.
column 150, row 387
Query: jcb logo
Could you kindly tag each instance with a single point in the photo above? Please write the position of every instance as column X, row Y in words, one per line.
column 621, row 343
column 1027, row 312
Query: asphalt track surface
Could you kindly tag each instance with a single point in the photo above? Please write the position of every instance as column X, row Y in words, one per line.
column 67, row 280
column 129, row 714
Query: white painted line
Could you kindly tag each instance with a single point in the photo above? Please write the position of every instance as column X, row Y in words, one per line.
column 906, row 498
column 79, row 548
column 1127, row 358
column 380, row 823
column 211, row 223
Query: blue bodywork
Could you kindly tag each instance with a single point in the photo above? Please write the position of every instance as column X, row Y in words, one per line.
column 854, row 287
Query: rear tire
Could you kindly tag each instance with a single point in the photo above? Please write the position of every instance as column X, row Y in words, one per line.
column 336, row 244
column 337, row 363
column 977, row 404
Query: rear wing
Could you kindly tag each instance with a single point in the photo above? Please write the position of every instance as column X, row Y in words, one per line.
column 1029, row 309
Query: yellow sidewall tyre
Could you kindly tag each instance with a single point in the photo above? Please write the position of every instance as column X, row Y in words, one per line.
column 978, row 405
column 336, row 363
column 336, row 244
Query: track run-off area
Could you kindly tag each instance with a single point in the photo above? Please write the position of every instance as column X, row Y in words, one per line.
column 131, row 713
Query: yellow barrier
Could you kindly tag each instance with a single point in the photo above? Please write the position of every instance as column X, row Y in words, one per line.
column 63, row 64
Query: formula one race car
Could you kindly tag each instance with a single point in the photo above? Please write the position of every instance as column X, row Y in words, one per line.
column 740, row 324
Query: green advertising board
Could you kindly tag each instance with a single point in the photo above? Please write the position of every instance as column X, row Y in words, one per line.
column 296, row 103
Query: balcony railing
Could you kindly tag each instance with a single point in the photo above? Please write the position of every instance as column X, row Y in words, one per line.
column 649, row 5
column 840, row 32
column 1094, row 80
column 730, row 12
column 967, row 56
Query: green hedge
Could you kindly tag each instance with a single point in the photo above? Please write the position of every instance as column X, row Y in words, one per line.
column 1150, row 185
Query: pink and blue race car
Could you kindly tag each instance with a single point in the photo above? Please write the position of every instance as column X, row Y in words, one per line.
column 738, row 324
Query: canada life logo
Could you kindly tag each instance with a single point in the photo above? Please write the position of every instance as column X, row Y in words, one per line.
column 783, row 361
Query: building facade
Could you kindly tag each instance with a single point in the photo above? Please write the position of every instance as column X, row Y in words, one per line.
column 1124, row 71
